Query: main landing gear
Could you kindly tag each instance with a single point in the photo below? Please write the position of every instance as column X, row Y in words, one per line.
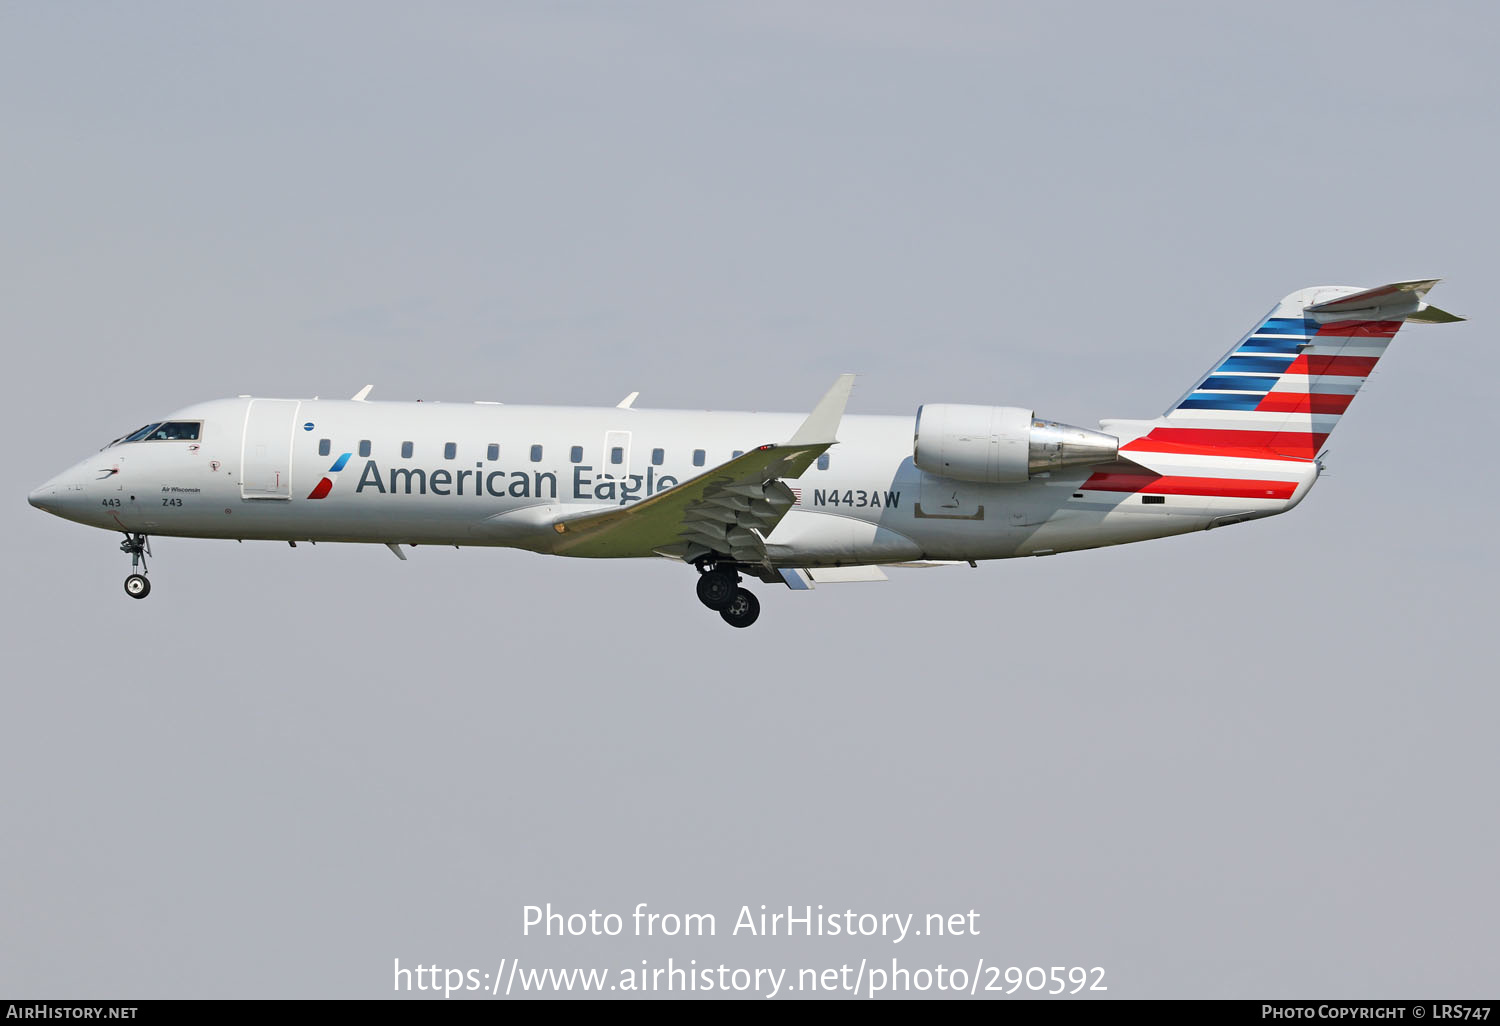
column 139, row 547
column 719, row 589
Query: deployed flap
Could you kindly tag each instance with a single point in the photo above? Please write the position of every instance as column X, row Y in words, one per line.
column 724, row 512
column 846, row 574
column 795, row 579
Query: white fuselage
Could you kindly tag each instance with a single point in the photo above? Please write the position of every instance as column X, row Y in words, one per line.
column 489, row 474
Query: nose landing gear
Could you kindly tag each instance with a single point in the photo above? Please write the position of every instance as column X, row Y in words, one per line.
column 139, row 547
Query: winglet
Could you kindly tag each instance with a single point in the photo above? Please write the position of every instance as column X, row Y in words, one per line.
column 363, row 394
column 627, row 402
column 822, row 423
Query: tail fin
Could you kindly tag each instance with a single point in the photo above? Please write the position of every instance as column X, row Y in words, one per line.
column 1283, row 387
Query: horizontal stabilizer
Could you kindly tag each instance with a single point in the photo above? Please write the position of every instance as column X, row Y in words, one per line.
column 1427, row 314
column 1402, row 299
column 1394, row 294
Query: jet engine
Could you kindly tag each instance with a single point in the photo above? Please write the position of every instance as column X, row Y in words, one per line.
column 1002, row 444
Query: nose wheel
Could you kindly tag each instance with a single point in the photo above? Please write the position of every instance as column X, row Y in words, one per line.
column 139, row 547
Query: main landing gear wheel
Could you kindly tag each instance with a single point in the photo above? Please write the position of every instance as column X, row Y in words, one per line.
column 743, row 609
column 136, row 586
column 716, row 588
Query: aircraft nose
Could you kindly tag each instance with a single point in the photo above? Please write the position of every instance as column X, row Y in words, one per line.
column 45, row 497
column 62, row 496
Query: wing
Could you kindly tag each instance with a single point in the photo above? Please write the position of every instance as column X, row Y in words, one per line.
column 726, row 511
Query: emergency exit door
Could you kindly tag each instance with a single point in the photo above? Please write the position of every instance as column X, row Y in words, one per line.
column 617, row 455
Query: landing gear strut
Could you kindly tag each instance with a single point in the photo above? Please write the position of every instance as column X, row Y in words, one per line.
column 139, row 547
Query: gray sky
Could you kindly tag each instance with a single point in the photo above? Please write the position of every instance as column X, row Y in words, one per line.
column 1256, row 762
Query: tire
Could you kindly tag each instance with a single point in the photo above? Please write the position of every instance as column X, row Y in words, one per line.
column 743, row 609
column 716, row 589
column 137, row 587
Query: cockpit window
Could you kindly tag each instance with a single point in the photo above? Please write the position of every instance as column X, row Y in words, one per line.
column 176, row 431
column 164, row 431
column 136, row 436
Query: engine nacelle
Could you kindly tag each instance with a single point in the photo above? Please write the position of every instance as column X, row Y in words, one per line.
column 1002, row 444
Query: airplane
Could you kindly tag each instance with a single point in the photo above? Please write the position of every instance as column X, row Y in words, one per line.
column 789, row 500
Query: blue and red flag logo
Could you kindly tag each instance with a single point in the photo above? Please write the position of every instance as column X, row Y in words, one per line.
column 326, row 485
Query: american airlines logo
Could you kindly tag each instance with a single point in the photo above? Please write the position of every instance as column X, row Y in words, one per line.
column 326, row 485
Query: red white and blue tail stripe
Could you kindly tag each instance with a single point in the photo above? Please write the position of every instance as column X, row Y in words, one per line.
column 1281, row 390
column 1247, row 435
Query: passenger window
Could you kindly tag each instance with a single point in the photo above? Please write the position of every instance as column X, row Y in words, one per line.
column 657, row 456
column 617, row 455
column 697, row 457
column 575, row 454
column 364, row 448
column 450, row 450
column 494, row 452
column 324, row 447
column 823, row 462
column 536, row 454
column 406, row 450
